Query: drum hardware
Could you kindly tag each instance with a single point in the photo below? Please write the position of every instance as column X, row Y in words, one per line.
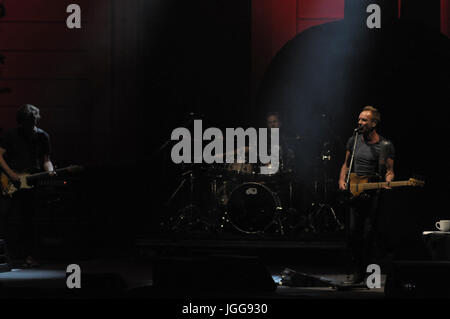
column 321, row 213
column 291, row 208
column 292, row 221
column 237, row 195
column 240, row 171
column 292, row 218
column 188, row 120
column 188, row 216
column 278, row 221
column 219, row 199
column 319, row 219
column 251, row 202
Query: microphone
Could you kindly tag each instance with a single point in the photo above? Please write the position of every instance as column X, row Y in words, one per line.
column 358, row 129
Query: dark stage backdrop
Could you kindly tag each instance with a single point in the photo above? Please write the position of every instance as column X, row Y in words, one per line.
column 112, row 92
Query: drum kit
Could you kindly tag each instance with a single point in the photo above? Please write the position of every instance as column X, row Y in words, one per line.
column 241, row 200
column 236, row 197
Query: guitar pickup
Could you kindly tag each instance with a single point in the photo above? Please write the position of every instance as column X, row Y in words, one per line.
column 50, row 182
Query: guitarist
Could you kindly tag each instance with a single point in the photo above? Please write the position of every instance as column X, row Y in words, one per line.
column 374, row 158
column 23, row 148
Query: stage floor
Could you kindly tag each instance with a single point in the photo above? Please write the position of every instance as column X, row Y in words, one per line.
column 109, row 278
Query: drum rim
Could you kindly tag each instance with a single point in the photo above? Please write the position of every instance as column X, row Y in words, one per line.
column 274, row 195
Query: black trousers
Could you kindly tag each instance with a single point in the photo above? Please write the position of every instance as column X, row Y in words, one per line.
column 18, row 210
column 362, row 224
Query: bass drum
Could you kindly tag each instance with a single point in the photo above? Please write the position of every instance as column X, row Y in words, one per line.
column 251, row 207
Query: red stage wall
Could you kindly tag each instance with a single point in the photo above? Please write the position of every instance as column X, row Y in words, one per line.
column 274, row 22
column 79, row 78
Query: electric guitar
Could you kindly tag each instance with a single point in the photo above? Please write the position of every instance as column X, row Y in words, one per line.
column 359, row 184
column 26, row 181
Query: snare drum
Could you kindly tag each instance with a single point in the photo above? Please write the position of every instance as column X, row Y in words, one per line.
column 241, row 168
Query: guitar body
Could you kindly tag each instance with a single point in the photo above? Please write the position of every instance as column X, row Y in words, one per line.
column 355, row 181
column 8, row 187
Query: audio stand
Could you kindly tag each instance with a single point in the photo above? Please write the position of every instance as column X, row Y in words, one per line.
column 348, row 284
column 293, row 220
column 321, row 207
column 282, row 215
column 277, row 221
column 188, row 215
column 347, row 178
column 189, row 119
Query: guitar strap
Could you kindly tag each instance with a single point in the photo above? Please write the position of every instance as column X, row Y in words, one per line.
column 384, row 149
column 36, row 150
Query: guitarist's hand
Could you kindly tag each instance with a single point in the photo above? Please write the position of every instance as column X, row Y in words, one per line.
column 14, row 177
column 342, row 185
column 388, row 181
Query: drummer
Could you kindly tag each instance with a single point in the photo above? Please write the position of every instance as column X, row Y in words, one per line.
column 273, row 120
column 286, row 156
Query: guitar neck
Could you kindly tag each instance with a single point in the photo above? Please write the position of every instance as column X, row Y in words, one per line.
column 44, row 174
column 369, row 186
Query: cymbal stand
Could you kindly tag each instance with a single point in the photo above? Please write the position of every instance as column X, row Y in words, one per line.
column 189, row 119
column 278, row 218
column 320, row 206
column 293, row 220
column 189, row 214
column 277, row 221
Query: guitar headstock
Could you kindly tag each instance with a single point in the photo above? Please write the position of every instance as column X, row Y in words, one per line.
column 75, row 168
column 416, row 182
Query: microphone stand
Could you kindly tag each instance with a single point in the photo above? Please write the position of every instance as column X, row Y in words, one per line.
column 347, row 178
column 347, row 184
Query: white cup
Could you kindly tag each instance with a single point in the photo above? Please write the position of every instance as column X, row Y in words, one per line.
column 443, row 225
